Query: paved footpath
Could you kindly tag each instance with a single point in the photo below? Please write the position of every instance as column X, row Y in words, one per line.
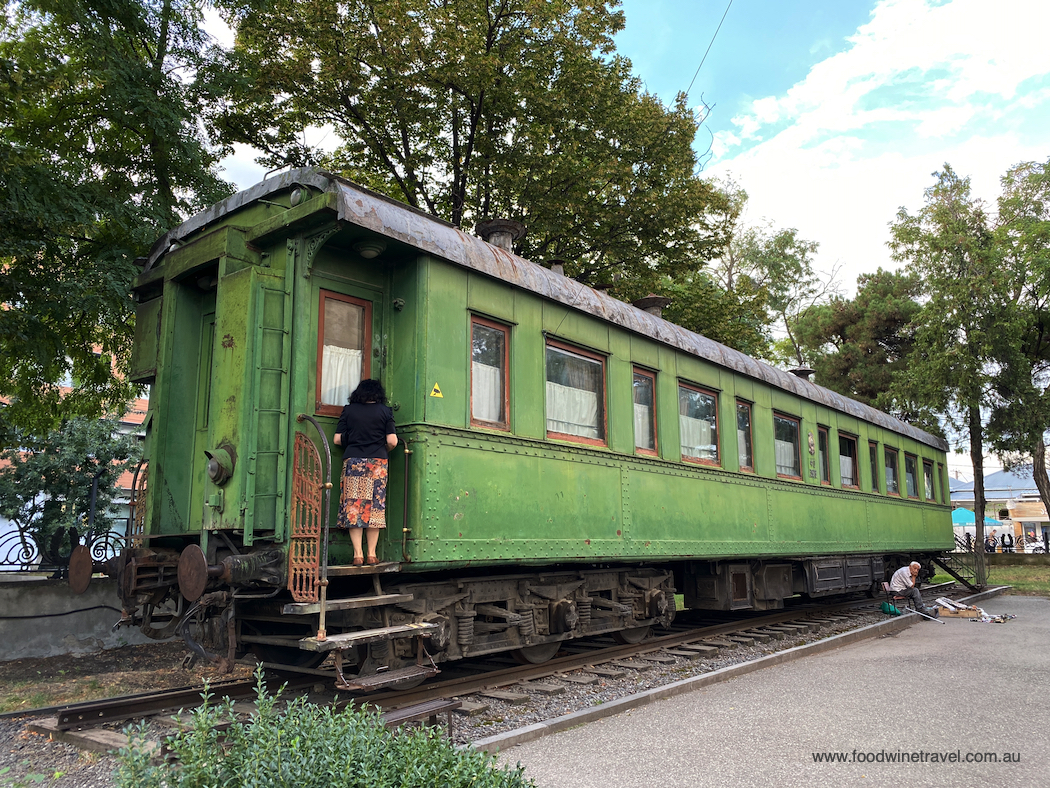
column 930, row 688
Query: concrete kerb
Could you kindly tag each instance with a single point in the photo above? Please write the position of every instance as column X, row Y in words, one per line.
column 503, row 741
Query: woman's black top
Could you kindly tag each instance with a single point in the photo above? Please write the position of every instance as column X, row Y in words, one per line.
column 364, row 427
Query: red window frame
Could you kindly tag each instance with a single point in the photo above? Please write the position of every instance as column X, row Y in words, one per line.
column 717, row 462
column 825, row 469
column 886, row 452
column 741, row 403
column 798, row 444
column 321, row 409
column 655, row 451
column 930, row 493
column 852, row 440
column 915, row 463
column 563, row 436
column 491, row 425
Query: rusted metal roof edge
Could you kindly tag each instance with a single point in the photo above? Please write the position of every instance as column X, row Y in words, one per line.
column 390, row 218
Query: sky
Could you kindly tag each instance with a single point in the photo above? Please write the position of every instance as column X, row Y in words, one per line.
column 834, row 114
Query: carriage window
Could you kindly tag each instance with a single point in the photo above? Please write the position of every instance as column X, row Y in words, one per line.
column 743, row 435
column 946, row 490
column 488, row 374
column 927, row 479
column 698, row 424
column 822, row 450
column 785, row 443
column 644, row 411
column 892, row 483
column 848, row 461
column 911, row 476
column 873, row 456
column 575, row 394
column 343, row 349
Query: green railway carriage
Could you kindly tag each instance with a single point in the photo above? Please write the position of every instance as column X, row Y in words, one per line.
column 572, row 460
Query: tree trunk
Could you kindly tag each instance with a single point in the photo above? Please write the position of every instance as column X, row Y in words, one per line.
column 1042, row 479
column 977, row 458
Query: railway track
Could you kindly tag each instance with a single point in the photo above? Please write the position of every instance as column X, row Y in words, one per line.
column 703, row 637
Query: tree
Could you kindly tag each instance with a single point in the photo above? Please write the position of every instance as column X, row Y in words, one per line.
column 1021, row 415
column 966, row 327
column 759, row 283
column 737, row 318
column 857, row 345
column 477, row 109
column 101, row 152
column 47, row 489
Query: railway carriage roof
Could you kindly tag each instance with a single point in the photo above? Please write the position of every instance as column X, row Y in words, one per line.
column 385, row 216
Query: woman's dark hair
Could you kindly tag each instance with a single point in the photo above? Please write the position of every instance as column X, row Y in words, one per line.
column 368, row 391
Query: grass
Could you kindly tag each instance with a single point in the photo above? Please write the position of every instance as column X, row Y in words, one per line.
column 1025, row 580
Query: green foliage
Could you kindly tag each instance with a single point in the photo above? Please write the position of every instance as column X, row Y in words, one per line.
column 100, row 153
column 856, row 345
column 47, row 486
column 301, row 745
column 967, row 328
column 482, row 108
column 1020, row 415
column 736, row 318
column 760, row 282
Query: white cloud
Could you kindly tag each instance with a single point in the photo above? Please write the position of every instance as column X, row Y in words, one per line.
column 919, row 85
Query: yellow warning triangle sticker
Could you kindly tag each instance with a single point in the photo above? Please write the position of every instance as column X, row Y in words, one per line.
column 436, row 392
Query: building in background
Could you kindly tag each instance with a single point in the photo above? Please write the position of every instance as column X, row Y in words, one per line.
column 1013, row 505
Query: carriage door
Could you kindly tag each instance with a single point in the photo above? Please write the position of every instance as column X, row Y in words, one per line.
column 201, row 410
column 344, row 350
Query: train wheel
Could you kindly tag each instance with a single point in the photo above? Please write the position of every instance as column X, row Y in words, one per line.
column 535, row 655
column 629, row 637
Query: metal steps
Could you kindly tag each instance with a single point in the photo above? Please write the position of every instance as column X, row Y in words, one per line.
column 961, row 566
column 348, row 639
column 351, row 603
column 348, row 570
column 388, row 678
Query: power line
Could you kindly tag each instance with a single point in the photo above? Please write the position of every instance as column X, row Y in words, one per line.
column 708, row 48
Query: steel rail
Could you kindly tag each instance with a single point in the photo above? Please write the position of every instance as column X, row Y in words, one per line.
column 92, row 713
column 501, row 677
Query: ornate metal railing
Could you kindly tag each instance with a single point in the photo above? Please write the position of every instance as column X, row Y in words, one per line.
column 22, row 552
column 27, row 552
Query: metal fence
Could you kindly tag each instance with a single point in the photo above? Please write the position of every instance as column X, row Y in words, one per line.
column 49, row 552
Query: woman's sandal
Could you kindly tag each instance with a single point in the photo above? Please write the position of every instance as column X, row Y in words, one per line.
column 358, row 560
column 373, row 560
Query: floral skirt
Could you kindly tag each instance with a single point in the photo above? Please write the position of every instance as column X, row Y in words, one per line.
column 362, row 502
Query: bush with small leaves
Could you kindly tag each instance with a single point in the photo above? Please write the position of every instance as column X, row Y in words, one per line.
column 301, row 745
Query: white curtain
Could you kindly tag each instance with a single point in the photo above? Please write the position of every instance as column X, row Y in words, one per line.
column 572, row 411
column 787, row 458
column 846, row 469
column 696, row 438
column 486, row 392
column 741, row 448
column 643, row 426
column 340, row 374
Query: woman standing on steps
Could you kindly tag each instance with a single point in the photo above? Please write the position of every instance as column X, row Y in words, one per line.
column 366, row 433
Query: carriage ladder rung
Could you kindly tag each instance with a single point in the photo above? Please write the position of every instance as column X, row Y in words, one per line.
column 348, row 639
column 352, row 603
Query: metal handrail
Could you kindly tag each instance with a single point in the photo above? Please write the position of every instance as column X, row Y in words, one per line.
column 404, row 510
column 326, row 474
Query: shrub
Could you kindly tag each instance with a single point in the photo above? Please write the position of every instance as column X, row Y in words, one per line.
column 302, row 745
